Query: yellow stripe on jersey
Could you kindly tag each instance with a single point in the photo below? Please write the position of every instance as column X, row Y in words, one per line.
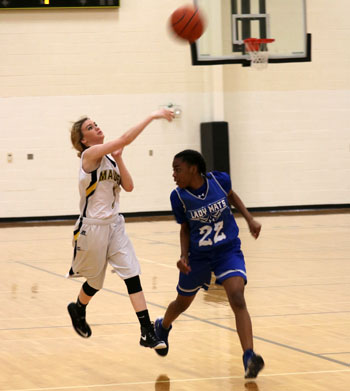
column 90, row 189
column 76, row 232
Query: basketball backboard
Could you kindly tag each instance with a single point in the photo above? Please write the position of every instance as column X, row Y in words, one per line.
column 229, row 22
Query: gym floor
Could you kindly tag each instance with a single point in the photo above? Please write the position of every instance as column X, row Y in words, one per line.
column 298, row 296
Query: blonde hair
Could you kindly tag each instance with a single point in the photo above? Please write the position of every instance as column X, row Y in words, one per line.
column 76, row 135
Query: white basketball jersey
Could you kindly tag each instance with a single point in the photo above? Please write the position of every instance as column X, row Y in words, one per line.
column 99, row 190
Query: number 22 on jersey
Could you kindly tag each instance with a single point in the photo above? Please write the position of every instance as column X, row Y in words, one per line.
column 206, row 231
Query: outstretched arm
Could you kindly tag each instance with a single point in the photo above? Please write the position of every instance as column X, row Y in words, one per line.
column 93, row 155
column 235, row 201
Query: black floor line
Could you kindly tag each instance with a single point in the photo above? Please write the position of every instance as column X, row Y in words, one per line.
column 202, row 320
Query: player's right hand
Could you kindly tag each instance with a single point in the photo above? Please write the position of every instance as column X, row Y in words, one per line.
column 164, row 113
column 183, row 266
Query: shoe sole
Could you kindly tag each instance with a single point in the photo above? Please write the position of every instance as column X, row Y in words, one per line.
column 255, row 365
column 162, row 352
column 73, row 313
column 161, row 345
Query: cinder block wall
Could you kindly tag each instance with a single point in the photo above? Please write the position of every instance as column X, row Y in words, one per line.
column 289, row 133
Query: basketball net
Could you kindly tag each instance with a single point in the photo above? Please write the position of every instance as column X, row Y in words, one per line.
column 257, row 51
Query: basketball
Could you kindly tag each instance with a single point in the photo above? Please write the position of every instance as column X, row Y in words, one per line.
column 187, row 23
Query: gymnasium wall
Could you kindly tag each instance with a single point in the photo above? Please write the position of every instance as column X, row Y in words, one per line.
column 116, row 66
column 289, row 135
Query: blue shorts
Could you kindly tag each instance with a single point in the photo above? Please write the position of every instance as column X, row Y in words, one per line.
column 224, row 262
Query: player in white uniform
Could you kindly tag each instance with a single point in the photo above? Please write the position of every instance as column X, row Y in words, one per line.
column 99, row 235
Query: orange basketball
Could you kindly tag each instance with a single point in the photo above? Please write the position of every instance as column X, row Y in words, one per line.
column 187, row 23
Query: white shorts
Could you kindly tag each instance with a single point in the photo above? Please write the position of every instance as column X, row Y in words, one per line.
column 99, row 242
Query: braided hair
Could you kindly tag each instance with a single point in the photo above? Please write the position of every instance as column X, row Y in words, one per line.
column 193, row 158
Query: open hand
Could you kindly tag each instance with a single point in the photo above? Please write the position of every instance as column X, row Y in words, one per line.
column 164, row 113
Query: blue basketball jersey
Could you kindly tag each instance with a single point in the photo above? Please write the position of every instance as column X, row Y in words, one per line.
column 209, row 215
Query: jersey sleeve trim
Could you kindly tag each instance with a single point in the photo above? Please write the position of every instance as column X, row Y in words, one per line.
column 182, row 202
column 213, row 176
column 112, row 161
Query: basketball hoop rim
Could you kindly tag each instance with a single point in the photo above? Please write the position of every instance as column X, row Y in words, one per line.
column 253, row 44
column 259, row 40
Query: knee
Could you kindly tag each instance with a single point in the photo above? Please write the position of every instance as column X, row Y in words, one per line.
column 88, row 289
column 133, row 285
column 237, row 301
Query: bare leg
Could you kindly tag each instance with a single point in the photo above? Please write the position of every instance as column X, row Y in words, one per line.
column 83, row 297
column 148, row 337
column 138, row 301
column 234, row 287
column 175, row 308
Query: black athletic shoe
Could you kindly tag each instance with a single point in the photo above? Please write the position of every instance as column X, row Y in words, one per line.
column 253, row 364
column 150, row 340
column 78, row 321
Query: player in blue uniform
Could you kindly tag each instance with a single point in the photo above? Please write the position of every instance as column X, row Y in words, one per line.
column 209, row 243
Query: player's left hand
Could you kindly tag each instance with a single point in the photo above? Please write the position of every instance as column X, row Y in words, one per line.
column 254, row 228
column 117, row 153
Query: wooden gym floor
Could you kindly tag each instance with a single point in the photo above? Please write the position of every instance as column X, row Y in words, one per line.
column 298, row 295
